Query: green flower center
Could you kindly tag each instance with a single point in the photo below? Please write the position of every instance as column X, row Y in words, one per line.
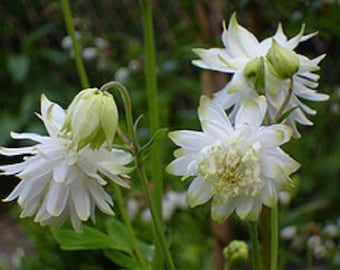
column 231, row 172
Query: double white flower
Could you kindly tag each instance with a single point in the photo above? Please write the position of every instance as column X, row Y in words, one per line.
column 242, row 50
column 57, row 180
column 239, row 167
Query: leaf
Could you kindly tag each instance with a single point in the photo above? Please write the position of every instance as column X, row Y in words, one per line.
column 90, row 239
column 122, row 259
column 119, row 234
column 159, row 134
column 286, row 114
column 147, row 250
column 18, row 67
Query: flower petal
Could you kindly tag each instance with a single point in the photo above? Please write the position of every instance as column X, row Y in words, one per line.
column 221, row 211
column 199, row 192
column 56, row 198
column 274, row 135
column 190, row 140
column 251, row 112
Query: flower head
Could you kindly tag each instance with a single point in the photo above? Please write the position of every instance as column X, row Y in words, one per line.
column 239, row 167
column 57, row 180
column 242, row 56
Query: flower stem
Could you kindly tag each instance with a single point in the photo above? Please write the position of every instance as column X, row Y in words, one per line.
column 128, row 225
column 72, row 33
column 139, row 162
column 152, row 93
column 254, row 237
column 274, row 220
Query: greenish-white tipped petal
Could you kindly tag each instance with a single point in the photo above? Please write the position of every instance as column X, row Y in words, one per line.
column 240, row 41
column 276, row 163
column 269, row 194
column 12, row 168
column 29, row 136
column 183, row 166
column 109, row 118
column 251, row 112
column 189, row 140
column 221, row 211
column 244, row 205
column 255, row 211
column 52, row 115
column 16, row 151
column 199, row 192
column 274, row 135
column 213, row 119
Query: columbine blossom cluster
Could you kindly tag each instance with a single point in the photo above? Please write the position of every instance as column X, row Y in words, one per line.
column 62, row 175
column 236, row 161
column 270, row 67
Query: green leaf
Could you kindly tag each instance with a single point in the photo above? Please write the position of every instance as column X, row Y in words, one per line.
column 90, row 239
column 159, row 135
column 286, row 114
column 18, row 67
column 119, row 234
column 122, row 259
column 147, row 250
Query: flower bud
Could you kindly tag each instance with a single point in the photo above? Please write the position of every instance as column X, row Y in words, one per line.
column 236, row 254
column 251, row 68
column 91, row 118
column 283, row 63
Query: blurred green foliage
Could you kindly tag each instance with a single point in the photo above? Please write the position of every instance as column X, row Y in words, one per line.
column 33, row 61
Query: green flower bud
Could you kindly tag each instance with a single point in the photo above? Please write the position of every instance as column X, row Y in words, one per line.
column 251, row 68
column 91, row 118
column 236, row 254
column 282, row 62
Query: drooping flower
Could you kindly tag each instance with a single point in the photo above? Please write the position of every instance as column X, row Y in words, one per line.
column 59, row 182
column 242, row 56
column 239, row 167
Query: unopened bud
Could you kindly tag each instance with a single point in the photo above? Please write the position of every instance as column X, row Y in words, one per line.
column 251, row 68
column 91, row 118
column 283, row 63
column 236, row 254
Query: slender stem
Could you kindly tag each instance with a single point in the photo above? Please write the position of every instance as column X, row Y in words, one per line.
column 141, row 171
column 72, row 33
column 127, row 222
column 152, row 93
column 265, row 238
column 254, row 237
column 274, row 220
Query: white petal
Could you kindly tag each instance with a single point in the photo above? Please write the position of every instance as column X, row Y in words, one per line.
column 256, row 210
column 221, row 211
column 12, row 168
column 57, row 198
column 213, row 119
column 269, row 194
column 240, row 41
column 244, row 206
column 183, row 166
column 60, row 171
column 30, row 136
column 274, row 135
column 190, row 140
column 252, row 112
column 199, row 192
column 15, row 193
column 81, row 199
column 52, row 115
column 101, row 198
column 16, row 151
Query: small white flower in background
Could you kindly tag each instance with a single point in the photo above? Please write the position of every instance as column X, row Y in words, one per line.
column 251, row 62
column 331, row 230
column 288, row 233
column 239, row 167
column 59, row 182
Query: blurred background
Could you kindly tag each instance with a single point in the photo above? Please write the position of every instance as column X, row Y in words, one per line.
column 36, row 57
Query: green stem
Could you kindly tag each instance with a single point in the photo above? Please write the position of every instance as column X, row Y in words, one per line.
column 157, row 223
column 152, row 97
column 125, row 217
column 254, row 237
column 72, row 33
column 274, row 220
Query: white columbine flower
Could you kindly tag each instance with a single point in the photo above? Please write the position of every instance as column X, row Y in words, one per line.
column 239, row 167
column 57, row 181
column 246, row 58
